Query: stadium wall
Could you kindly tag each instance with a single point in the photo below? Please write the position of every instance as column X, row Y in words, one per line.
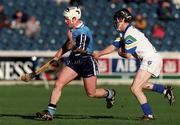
column 113, row 69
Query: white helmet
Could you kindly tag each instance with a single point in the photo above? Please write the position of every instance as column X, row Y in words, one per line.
column 71, row 12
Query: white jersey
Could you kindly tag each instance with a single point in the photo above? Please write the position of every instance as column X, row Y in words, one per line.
column 140, row 47
column 137, row 43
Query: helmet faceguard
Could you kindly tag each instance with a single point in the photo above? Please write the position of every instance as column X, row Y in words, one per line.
column 117, row 24
column 122, row 15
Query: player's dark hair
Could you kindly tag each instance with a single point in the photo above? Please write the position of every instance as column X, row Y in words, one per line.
column 123, row 14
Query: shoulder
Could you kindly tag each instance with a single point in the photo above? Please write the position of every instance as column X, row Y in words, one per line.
column 86, row 28
column 117, row 42
column 132, row 33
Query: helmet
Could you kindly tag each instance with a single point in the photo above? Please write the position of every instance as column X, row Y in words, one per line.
column 123, row 14
column 71, row 12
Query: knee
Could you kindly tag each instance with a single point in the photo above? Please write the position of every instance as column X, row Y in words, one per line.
column 135, row 90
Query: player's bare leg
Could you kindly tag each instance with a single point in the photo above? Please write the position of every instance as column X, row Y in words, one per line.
column 90, row 87
column 140, row 80
column 66, row 75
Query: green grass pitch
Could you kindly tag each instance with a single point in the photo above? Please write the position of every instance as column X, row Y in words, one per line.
column 18, row 104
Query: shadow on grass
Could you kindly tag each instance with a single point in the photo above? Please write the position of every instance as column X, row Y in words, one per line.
column 18, row 115
column 71, row 116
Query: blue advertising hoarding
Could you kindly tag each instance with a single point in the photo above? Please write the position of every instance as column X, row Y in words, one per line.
column 120, row 65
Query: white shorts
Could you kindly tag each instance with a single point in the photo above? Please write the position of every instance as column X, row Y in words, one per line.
column 152, row 65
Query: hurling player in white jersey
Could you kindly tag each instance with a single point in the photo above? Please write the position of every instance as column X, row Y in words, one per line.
column 133, row 43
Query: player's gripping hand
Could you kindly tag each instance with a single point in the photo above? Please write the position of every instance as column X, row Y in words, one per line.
column 70, row 45
column 28, row 76
column 96, row 55
column 122, row 53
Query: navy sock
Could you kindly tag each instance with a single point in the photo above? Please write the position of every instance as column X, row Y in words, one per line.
column 158, row 88
column 146, row 109
column 51, row 109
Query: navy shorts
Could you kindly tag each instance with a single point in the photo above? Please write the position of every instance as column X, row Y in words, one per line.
column 85, row 66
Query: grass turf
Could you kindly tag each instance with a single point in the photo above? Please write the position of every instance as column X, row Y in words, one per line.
column 18, row 104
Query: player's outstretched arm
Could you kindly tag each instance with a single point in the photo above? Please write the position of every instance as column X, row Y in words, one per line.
column 66, row 47
column 105, row 51
column 29, row 76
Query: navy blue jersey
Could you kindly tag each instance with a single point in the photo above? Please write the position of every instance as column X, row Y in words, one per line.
column 83, row 39
column 84, row 64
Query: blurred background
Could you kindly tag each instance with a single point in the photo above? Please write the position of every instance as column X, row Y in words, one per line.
column 32, row 30
column 39, row 24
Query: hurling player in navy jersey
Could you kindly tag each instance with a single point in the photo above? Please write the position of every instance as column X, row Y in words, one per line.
column 80, row 43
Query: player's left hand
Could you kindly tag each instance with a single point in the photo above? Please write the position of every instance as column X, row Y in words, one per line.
column 96, row 55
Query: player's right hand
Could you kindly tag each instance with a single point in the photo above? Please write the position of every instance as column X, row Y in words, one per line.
column 28, row 76
column 124, row 54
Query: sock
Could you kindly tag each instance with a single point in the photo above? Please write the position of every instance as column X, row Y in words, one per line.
column 110, row 94
column 51, row 109
column 158, row 88
column 146, row 109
